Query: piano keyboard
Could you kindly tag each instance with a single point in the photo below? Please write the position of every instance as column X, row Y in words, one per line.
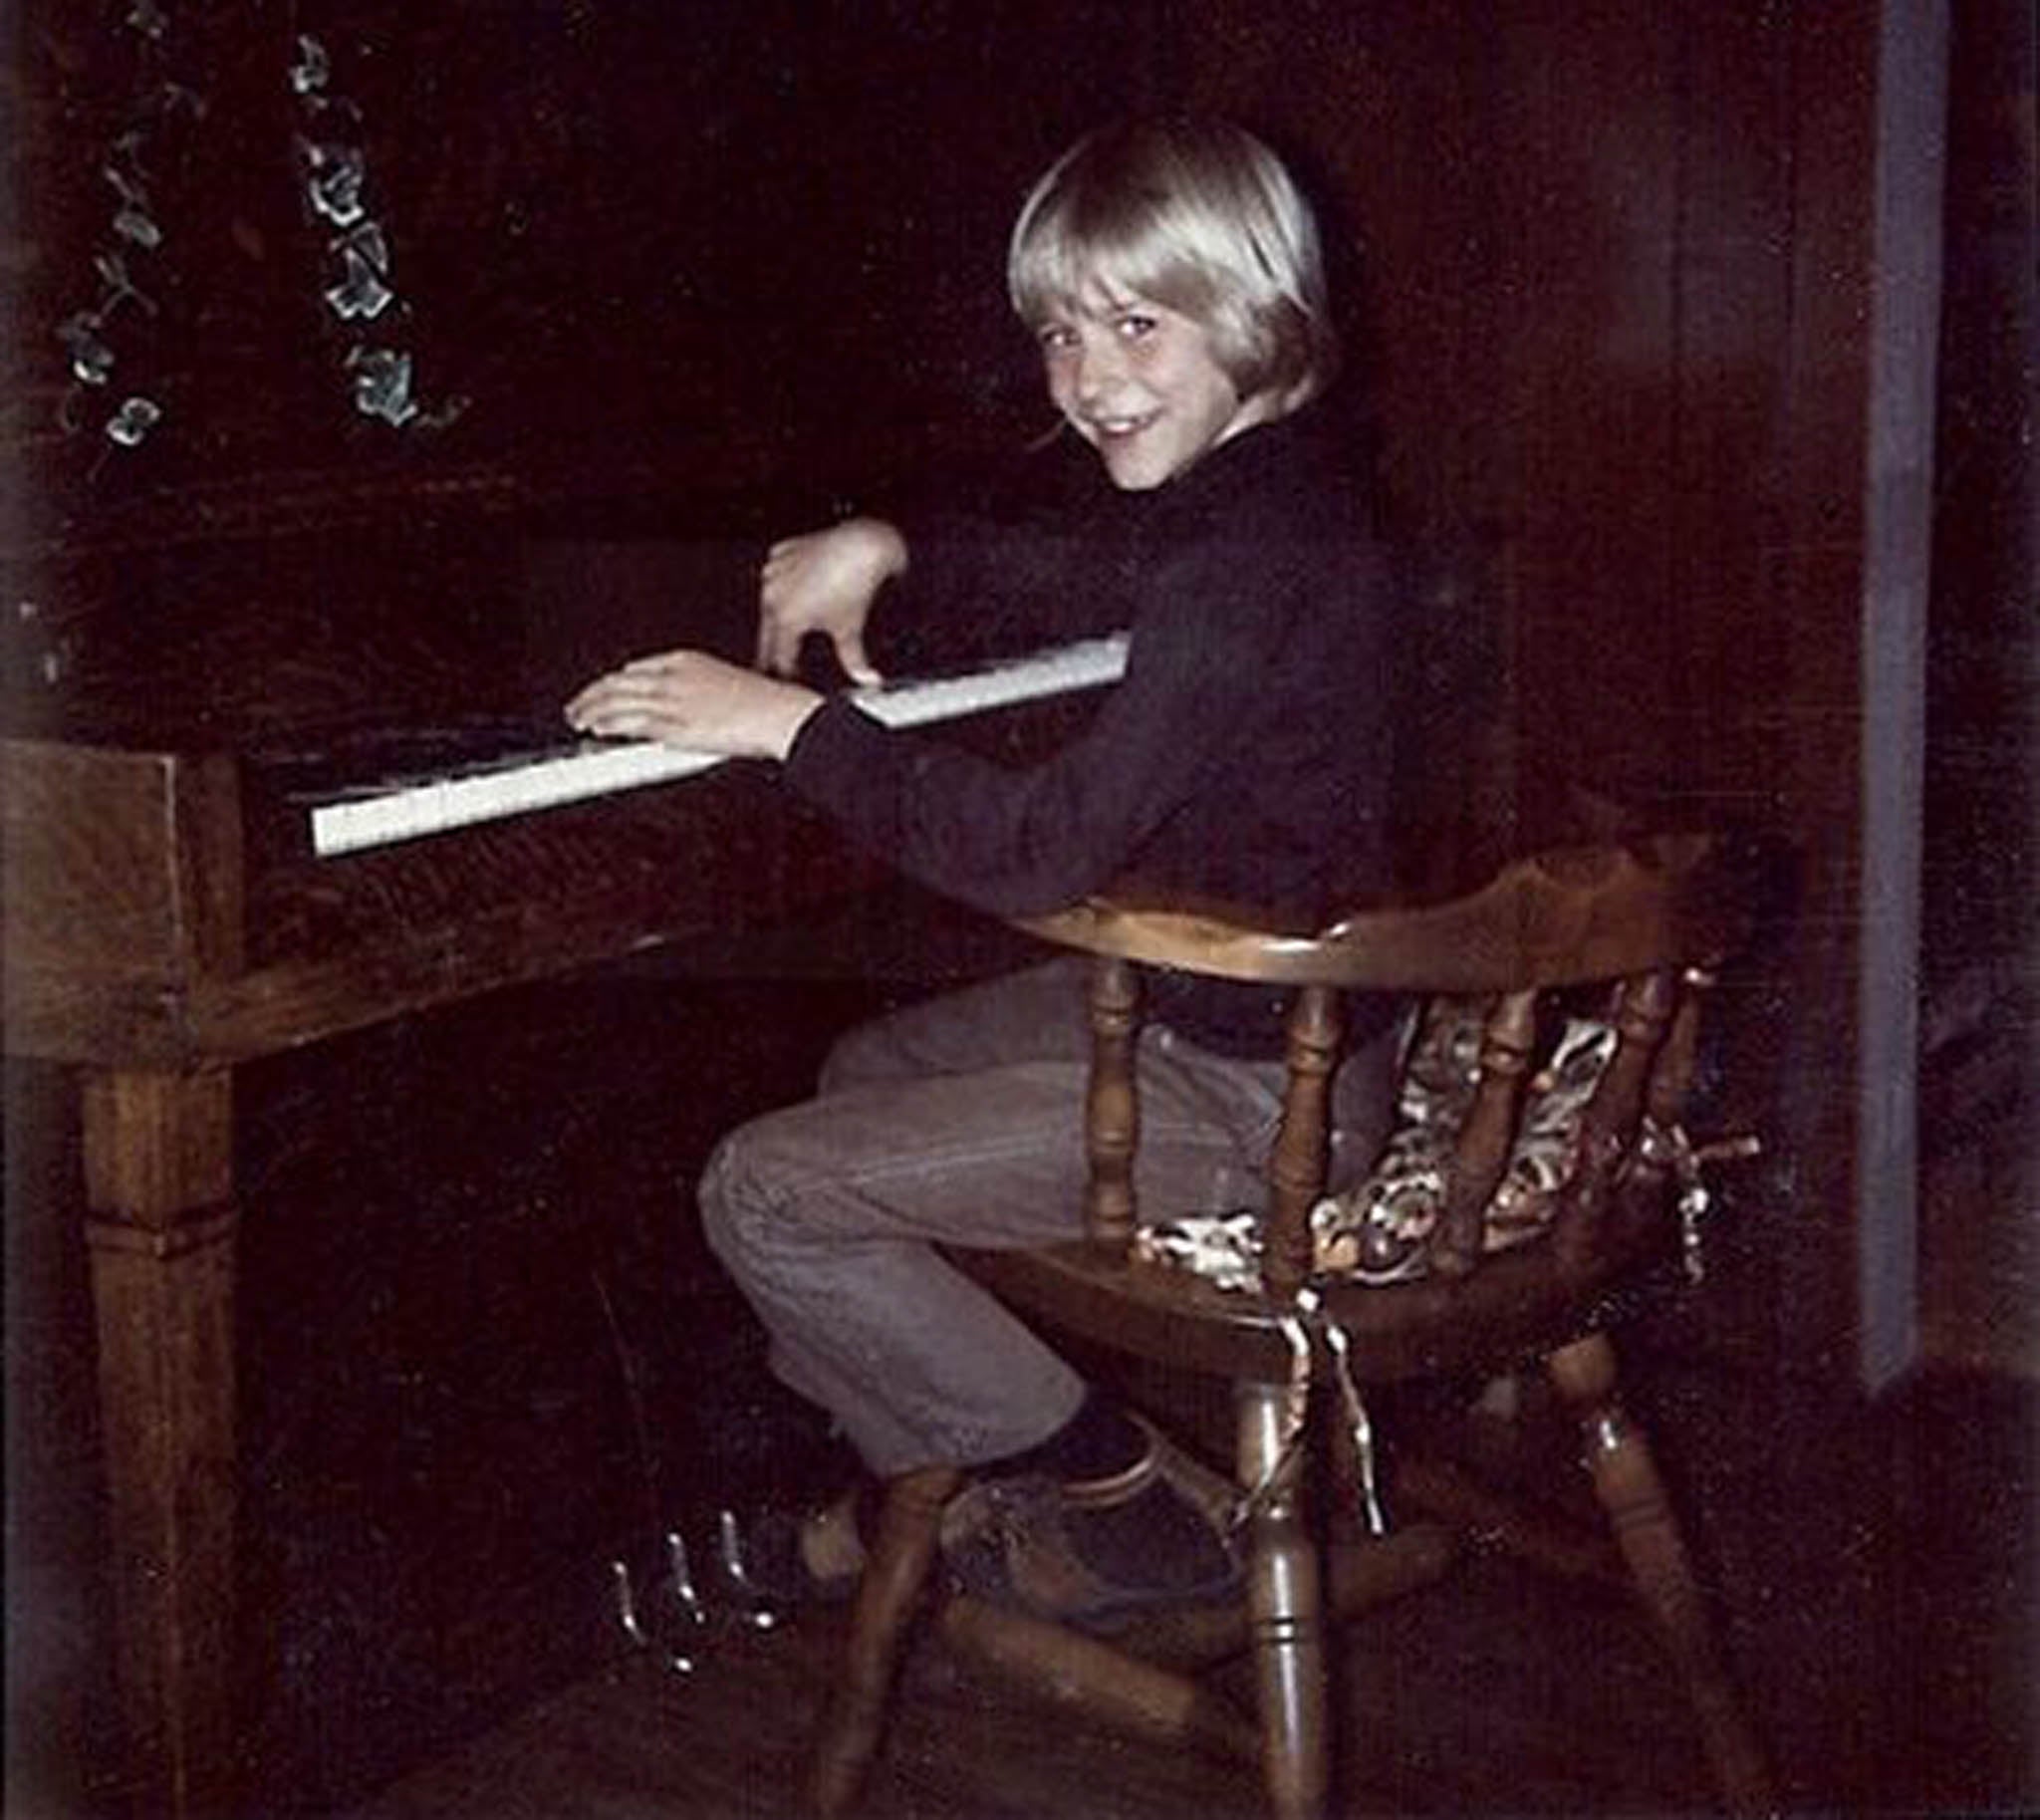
column 382, row 814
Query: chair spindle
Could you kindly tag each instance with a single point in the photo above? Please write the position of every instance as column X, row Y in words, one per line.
column 1482, row 1149
column 1112, row 1114
column 1296, row 1168
column 1614, row 1115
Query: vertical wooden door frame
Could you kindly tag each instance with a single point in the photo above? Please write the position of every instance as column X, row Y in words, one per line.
column 1903, row 336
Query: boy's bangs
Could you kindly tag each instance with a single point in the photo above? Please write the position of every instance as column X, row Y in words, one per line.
column 1062, row 269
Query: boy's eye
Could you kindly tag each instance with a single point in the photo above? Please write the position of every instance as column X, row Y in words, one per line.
column 1056, row 337
column 1134, row 324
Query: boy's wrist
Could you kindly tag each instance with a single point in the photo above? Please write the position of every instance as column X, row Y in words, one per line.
column 792, row 711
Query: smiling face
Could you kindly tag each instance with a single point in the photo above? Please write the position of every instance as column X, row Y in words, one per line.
column 1140, row 383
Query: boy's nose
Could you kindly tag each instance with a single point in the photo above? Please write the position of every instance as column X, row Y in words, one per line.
column 1100, row 369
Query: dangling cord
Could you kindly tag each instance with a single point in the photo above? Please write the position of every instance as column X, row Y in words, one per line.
column 1295, row 1409
column 1363, row 1428
column 1670, row 1145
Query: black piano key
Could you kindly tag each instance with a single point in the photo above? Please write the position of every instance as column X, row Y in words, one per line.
column 374, row 760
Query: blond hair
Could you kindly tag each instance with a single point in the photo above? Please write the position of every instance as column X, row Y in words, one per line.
column 1195, row 215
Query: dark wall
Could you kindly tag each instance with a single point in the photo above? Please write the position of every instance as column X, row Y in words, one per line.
column 1984, row 647
column 615, row 231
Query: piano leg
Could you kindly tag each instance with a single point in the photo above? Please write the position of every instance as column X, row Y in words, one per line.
column 161, row 1223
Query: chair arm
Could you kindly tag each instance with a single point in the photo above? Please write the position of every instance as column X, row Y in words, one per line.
column 1556, row 917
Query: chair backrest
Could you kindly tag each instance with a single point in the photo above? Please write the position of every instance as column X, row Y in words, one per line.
column 1635, row 926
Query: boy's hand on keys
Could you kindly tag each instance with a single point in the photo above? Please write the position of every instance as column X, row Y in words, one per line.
column 825, row 581
column 687, row 698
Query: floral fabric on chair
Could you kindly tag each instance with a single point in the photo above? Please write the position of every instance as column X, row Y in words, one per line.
column 1380, row 1229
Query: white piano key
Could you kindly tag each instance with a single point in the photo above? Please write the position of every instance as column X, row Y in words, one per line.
column 408, row 812
column 1088, row 665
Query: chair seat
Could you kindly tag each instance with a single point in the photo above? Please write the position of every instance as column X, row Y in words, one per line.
column 1518, row 1304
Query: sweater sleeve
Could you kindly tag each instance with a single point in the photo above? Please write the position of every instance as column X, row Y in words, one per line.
column 1014, row 842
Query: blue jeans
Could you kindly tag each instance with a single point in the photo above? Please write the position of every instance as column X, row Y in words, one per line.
column 960, row 1120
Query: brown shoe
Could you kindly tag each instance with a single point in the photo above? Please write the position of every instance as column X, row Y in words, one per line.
column 1092, row 1552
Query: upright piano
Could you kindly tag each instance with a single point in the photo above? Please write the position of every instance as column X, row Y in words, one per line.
column 169, row 917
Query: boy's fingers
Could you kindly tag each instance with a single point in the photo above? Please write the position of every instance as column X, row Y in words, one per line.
column 849, row 652
column 778, row 648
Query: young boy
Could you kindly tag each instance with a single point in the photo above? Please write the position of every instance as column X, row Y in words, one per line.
column 1171, row 275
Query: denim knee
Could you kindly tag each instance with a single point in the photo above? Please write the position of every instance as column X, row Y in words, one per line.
column 851, row 1058
column 729, row 1216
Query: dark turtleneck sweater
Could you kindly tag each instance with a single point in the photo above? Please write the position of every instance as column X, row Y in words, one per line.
column 1244, row 758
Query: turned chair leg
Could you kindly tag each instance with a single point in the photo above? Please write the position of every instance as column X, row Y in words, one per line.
column 887, row 1597
column 1285, row 1609
column 1627, row 1482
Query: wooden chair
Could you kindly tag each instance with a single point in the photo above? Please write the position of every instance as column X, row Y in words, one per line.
column 1631, row 927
